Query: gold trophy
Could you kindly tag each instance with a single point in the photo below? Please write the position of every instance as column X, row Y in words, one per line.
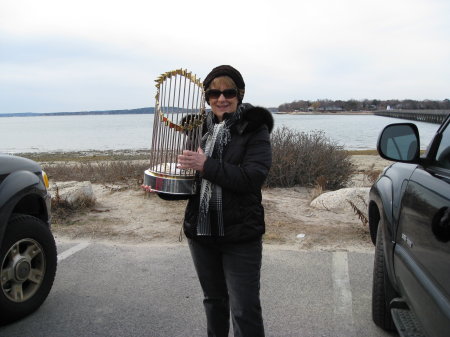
column 177, row 126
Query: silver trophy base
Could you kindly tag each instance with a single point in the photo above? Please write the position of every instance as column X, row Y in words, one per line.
column 175, row 185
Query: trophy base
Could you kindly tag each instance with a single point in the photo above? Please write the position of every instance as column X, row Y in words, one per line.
column 167, row 184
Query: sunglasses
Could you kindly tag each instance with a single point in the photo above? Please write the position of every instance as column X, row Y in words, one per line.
column 215, row 93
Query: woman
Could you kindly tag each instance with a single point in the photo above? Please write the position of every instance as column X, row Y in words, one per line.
column 224, row 220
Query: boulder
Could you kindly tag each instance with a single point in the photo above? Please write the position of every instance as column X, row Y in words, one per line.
column 338, row 200
column 75, row 193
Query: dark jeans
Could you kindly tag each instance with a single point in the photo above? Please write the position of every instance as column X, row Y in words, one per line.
column 229, row 274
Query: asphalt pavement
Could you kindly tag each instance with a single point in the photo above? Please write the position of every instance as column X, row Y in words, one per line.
column 105, row 289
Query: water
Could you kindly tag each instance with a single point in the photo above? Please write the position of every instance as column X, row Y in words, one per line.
column 120, row 132
column 354, row 132
column 75, row 133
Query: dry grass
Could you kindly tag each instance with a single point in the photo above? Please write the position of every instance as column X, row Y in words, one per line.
column 87, row 156
column 63, row 211
column 319, row 187
column 362, row 215
column 369, row 152
column 363, row 152
column 371, row 174
column 102, row 172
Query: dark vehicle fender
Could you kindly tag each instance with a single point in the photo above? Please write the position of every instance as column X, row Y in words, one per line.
column 381, row 197
column 17, row 186
column 387, row 192
column 381, row 213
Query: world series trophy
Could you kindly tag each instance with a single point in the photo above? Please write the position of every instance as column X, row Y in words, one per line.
column 177, row 126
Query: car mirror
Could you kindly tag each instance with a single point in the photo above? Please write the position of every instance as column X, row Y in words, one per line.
column 399, row 142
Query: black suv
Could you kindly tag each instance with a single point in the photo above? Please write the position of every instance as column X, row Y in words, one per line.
column 409, row 218
column 27, row 248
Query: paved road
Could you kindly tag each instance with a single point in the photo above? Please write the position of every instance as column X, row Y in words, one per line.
column 124, row 290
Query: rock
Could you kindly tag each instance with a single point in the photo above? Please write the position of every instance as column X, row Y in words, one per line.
column 75, row 193
column 338, row 200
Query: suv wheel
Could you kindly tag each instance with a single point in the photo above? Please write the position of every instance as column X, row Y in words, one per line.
column 382, row 290
column 28, row 266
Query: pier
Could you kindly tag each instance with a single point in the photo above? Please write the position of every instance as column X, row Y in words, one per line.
column 429, row 116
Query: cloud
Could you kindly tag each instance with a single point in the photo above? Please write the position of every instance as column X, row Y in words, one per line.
column 106, row 51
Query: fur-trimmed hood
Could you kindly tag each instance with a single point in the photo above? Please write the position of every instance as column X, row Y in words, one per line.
column 253, row 117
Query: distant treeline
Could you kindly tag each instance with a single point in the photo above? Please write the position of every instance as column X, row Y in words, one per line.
column 103, row 112
column 365, row 105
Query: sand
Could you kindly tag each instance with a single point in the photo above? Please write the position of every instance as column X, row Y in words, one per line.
column 132, row 216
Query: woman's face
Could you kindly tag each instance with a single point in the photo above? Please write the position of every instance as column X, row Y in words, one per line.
column 221, row 105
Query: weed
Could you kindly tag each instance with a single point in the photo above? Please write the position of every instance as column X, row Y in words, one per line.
column 361, row 215
column 319, row 187
column 371, row 174
column 63, row 211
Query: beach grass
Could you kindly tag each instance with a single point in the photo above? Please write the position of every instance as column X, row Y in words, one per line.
column 362, row 152
column 117, row 155
column 87, row 156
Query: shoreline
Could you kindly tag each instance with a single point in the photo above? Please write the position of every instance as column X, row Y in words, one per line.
column 126, row 154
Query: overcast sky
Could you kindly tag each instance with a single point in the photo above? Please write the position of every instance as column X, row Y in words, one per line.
column 77, row 55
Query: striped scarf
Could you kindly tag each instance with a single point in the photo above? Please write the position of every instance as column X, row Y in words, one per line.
column 213, row 143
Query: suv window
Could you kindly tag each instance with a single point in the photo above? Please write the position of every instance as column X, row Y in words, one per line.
column 443, row 152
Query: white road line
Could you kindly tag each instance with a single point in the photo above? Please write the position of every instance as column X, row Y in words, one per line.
column 73, row 250
column 343, row 309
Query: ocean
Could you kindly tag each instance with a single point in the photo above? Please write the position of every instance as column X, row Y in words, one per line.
column 133, row 132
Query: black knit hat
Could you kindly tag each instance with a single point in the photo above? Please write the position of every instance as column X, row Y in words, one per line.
column 225, row 70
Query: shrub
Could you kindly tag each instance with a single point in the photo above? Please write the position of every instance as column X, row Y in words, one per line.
column 303, row 159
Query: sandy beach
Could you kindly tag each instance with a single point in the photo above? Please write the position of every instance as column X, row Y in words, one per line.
column 129, row 215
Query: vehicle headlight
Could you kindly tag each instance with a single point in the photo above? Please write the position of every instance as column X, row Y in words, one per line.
column 45, row 179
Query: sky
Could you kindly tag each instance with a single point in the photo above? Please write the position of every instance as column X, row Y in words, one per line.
column 86, row 55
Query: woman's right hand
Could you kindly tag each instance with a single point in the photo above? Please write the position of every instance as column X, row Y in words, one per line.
column 192, row 160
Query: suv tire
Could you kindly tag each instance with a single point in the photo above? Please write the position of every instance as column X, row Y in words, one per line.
column 382, row 290
column 28, row 261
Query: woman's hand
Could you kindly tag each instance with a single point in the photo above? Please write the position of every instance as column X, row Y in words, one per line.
column 192, row 160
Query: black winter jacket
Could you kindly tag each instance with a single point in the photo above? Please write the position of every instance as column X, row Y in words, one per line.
column 246, row 162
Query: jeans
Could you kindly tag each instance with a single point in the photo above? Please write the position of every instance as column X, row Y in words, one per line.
column 229, row 275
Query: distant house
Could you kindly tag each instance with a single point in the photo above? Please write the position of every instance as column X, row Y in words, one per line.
column 331, row 108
